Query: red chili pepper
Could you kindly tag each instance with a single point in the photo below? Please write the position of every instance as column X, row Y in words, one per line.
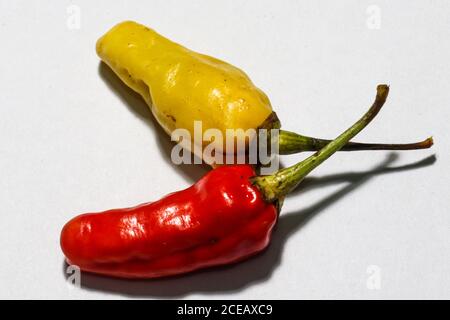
column 220, row 219
column 225, row 217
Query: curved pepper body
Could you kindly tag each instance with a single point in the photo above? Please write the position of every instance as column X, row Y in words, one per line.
column 219, row 220
column 182, row 86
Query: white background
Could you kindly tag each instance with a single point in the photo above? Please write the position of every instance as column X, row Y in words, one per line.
column 73, row 139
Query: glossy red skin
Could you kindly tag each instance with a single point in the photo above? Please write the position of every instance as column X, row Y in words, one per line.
column 219, row 220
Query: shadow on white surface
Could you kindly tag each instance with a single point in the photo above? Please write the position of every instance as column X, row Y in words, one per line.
column 258, row 269
column 139, row 108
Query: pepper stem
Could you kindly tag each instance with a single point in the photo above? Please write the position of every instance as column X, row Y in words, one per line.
column 291, row 142
column 276, row 186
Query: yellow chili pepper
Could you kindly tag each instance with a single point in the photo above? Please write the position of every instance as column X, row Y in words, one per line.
column 182, row 86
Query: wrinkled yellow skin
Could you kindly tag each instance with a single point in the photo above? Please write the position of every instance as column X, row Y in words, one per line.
column 181, row 85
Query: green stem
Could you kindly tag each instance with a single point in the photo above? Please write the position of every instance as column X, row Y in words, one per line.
column 276, row 186
column 291, row 142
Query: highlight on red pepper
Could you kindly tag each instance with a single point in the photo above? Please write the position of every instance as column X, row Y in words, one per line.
column 226, row 217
